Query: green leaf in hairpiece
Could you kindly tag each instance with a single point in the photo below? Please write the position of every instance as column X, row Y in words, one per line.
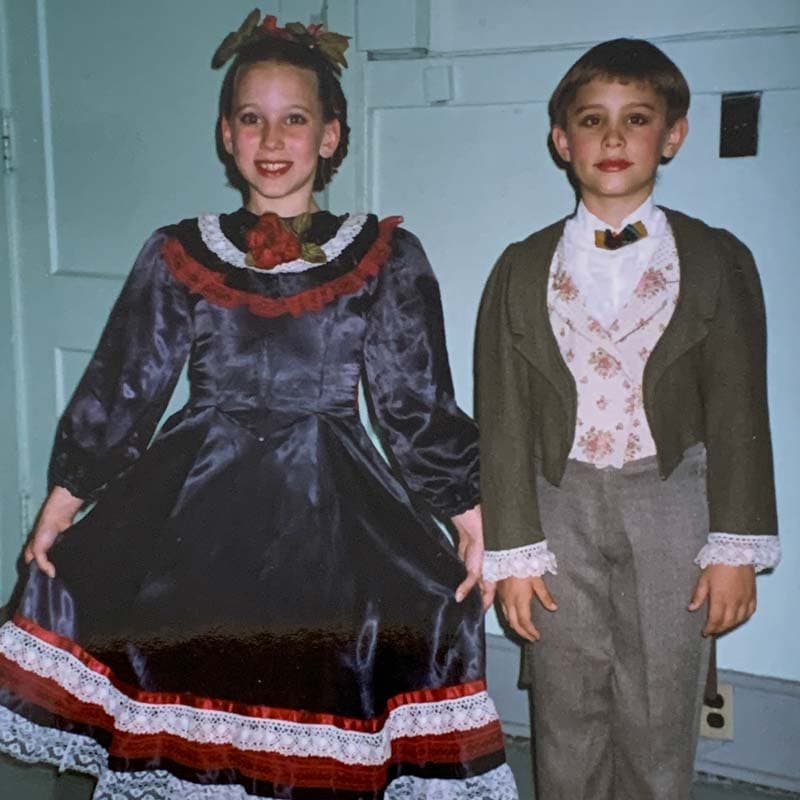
column 301, row 223
column 313, row 253
column 235, row 39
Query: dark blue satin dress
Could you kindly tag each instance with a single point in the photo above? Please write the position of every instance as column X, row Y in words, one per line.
column 258, row 584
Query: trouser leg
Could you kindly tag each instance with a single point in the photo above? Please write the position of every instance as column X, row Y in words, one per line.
column 660, row 655
column 571, row 666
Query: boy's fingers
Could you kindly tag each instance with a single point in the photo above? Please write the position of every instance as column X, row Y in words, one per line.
column 700, row 594
column 545, row 598
column 523, row 615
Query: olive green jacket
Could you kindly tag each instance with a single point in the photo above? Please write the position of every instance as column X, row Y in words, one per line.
column 705, row 381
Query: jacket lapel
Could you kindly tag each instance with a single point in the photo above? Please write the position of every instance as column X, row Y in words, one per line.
column 528, row 315
column 697, row 296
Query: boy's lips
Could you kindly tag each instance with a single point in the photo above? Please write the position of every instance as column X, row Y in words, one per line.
column 613, row 165
column 273, row 169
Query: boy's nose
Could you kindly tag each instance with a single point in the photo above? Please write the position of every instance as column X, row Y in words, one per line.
column 614, row 135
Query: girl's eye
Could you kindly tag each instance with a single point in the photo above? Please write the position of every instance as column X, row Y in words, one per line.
column 248, row 118
column 296, row 119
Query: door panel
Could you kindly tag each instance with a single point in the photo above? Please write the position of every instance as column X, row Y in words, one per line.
column 473, row 173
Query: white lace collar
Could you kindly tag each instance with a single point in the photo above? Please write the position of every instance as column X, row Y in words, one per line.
column 222, row 247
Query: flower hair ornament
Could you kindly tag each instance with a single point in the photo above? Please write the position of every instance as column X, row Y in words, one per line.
column 331, row 46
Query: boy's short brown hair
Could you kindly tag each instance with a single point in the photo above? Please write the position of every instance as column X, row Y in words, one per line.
column 623, row 60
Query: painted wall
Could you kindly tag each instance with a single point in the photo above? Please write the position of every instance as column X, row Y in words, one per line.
column 507, row 56
column 455, row 140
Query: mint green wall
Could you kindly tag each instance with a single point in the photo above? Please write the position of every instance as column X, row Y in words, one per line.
column 471, row 173
column 130, row 148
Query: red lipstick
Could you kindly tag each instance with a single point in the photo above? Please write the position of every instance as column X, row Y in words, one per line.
column 613, row 165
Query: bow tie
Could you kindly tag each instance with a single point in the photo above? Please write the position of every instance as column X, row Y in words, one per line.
column 613, row 241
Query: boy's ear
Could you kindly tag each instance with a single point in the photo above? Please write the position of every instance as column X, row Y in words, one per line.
column 226, row 134
column 559, row 138
column 330, row 138
column 675, row 137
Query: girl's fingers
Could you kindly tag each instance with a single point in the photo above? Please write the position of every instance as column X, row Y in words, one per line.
column 44, row 564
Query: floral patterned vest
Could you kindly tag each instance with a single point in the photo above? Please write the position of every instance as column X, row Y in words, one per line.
column 608, row 362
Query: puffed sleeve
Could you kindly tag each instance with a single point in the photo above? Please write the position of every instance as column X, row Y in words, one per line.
column 434, row 443
column 129, row 380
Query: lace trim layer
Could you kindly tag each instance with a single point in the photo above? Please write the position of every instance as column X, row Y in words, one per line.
column 763, row 552
column 222, row 247
column 255, row 733
column 211, row 285
column 31, row 743
column 529, row 561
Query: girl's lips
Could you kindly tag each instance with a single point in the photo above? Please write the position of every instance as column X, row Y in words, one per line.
column 273, row 169
column 613, row 165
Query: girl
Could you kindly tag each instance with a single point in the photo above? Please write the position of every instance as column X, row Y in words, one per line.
column 255, row 607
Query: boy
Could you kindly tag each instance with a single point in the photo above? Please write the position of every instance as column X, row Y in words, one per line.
column 625, row 442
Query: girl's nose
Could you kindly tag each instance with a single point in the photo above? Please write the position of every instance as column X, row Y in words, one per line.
column 271, row 136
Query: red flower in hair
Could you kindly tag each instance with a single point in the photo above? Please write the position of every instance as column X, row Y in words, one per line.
column 270, row 23
column 270, row 243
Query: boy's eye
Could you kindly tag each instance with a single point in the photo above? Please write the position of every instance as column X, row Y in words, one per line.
column 590, row 121
column 638, row 119
column 296, row 119
column 248, row 118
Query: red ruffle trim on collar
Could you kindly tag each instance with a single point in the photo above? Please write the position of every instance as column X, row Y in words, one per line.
column 211, row 285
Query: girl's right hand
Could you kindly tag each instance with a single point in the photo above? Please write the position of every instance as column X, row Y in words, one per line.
column 516, row 596
column 55, row 516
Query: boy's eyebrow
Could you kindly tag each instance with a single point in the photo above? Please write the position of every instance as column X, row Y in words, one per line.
column 590, row 106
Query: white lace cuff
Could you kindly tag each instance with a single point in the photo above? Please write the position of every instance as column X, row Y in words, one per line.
column 735, row 550
column 529, row 561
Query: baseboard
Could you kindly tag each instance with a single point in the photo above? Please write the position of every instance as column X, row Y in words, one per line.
column 765, row 749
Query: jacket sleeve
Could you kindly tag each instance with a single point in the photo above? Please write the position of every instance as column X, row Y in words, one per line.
column 119, row 400
column 433, row 442
column 505, row 416
column 740, row 482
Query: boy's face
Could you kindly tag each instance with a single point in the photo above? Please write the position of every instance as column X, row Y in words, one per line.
column 615, row 136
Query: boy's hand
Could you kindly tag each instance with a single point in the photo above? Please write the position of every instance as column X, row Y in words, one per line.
column 731, row 595
column 516, row 595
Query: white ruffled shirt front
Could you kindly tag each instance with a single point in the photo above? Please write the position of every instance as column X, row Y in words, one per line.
column 606, row 279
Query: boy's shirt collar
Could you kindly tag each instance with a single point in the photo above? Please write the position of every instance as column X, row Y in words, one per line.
column 584, row 224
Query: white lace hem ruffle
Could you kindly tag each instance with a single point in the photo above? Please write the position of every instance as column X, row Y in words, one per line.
column 222, row 247
column 529, row 561
column 733, row 549
column 30, row 743
column 256, row 733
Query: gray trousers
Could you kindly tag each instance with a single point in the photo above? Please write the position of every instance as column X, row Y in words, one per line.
column 617, row 678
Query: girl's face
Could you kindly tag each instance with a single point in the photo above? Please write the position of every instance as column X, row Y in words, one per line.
column 614, row 139
column 275, row 134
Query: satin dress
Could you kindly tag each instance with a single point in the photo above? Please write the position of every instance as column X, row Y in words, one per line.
column 258, row 604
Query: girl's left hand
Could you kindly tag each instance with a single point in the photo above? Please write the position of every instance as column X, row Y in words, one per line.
column 470, row 550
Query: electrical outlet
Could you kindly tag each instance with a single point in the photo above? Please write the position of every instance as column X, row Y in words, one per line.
column 716, row 721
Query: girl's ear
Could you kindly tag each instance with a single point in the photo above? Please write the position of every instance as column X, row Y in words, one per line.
column 559, row 138
column 331, row 134
column 227, row 134
column 677, row 133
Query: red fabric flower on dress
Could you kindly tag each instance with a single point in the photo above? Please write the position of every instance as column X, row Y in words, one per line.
column 271, row 242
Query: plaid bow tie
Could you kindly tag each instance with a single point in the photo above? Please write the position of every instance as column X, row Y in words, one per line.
column 613, row 241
